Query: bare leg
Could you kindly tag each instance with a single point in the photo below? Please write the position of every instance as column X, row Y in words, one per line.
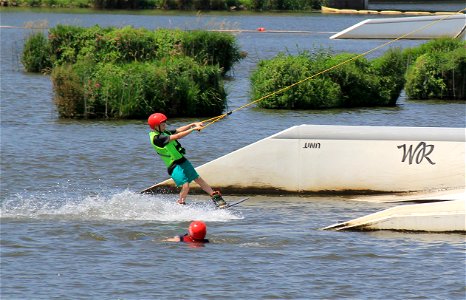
column 204, row 185
column 184, row 193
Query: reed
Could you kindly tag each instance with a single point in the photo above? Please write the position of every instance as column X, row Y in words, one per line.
column 68, row 92
column 36, row 53
column 177, row 86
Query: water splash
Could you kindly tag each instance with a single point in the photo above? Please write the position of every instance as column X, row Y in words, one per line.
column 121, row 206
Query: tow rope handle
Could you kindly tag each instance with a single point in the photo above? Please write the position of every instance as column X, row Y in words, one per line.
column 215, row 119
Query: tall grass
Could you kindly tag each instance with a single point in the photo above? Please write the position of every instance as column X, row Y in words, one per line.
column 177, row 86
column 36, row 53
column 68, row 92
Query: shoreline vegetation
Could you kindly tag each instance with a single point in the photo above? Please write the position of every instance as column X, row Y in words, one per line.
column 163, row 6
column 185, row 5
column 126, row 73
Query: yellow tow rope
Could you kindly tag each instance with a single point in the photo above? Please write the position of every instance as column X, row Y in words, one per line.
column 220, row 117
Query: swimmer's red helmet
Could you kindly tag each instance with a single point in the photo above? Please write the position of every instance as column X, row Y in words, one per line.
column 156, row 119
column 197, row 230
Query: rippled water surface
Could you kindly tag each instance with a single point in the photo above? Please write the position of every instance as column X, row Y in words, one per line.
column 73, row 225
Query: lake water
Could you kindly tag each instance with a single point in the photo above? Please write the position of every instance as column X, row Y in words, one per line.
column 73, row 225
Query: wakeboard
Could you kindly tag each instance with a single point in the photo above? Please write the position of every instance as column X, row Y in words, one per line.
column 235, row 203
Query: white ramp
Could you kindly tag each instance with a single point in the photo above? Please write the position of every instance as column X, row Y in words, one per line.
column 445, row 216
column 426, row 27
column 341, row 159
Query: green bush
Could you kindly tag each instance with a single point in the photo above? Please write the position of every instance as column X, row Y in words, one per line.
column 284, row 70
column 390, row 68
column 438, row 73
column 213, row 48
column 436, row 45
column 369, row 83
column 66, row 42
column 438, row 76
column 454, row 72
column 127, row 73
column 353, row 84
column 36, row 53
column 359, row 86
column 127, row 44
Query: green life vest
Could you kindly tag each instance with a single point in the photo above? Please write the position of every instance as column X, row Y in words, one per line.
column 171, row 153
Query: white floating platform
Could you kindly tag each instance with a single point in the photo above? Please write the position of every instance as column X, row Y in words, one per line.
column 341, row 160
column 428, row 27
column 445, row 216
column 415, row 197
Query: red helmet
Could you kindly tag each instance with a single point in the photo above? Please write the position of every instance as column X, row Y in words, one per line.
column 156, row 119
column 197, row 230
